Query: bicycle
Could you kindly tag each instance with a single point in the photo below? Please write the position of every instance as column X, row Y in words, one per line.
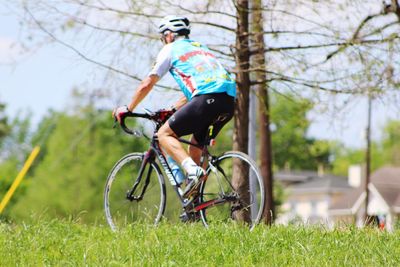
column 135, row 190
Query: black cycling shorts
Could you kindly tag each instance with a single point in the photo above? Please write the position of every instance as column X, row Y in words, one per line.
column 196, row 116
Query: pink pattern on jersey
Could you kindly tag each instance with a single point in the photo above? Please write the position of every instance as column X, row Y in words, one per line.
column 187, row 80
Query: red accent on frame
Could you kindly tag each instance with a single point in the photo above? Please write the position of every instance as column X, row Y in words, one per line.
column 205, row 204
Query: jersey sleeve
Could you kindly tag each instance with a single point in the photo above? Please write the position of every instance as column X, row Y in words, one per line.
column 163, row 62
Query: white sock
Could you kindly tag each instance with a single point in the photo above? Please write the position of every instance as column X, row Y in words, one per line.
column 189, row 165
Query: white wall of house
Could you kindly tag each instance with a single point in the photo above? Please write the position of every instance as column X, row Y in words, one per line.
column 309, row 208
column 355, row 175
column 304, row 210
column 322, row 209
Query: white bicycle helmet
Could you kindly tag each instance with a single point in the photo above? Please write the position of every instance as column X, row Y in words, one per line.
column 177, row 24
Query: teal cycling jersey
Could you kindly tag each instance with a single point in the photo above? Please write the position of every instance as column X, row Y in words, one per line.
column 196, row 70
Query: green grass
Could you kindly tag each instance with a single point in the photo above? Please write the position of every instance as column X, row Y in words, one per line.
column 63, row 243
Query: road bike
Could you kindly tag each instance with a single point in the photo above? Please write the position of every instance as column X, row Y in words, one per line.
column 135, row 190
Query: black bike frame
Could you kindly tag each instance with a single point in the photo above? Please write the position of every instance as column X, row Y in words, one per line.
column 156, row 152
column 150, row 158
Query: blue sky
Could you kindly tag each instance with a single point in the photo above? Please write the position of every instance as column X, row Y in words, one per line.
column 36, row 81
column 44, row 79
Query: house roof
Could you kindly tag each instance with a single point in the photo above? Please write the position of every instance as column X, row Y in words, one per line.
column 327, row 183
column 396, row 205
column 294, row 176
column 389, row 194
column 386, row 181
column 311, row 180
column 397, row 202
column 389, row 176
column 348, row 200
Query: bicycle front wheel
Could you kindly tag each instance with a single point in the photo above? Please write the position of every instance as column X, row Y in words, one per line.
column 235, row 185
column 146, row 204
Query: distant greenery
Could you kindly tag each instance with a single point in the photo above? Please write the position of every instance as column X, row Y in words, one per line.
column 291, row 148
column 391, row 143
column 383, row 152
column 69, row 176
column 78, row 150
column 14, row 147
column 64, row 243
column 4, row 126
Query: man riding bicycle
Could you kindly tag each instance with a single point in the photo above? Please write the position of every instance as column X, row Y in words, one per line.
column 208, row 95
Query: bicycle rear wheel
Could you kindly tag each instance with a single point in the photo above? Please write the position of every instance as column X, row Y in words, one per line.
column 235, row 184
column 119, row 209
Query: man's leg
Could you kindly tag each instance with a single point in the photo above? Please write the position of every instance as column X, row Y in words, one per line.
column 170, row 143
column 194, row 151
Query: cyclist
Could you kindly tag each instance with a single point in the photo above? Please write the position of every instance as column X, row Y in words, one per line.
column 208, row 95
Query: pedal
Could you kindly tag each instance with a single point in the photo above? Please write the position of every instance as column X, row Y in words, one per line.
column 188, row 217
column 190, row 204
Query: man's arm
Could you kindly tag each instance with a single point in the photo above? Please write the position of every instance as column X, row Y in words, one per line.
column 144, row 88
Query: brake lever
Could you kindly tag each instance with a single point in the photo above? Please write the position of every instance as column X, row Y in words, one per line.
column 149, row 112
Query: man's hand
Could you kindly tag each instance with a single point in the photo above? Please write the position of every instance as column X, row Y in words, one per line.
column 120, row 112
column 164, row 114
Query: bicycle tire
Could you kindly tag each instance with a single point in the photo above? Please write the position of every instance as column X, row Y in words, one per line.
column 119, row 210
column 219, row 183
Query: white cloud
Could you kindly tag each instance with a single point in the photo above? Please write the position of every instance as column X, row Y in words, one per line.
column 10, row 50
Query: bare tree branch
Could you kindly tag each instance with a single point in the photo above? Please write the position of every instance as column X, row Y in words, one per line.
column 326, row 39
column 381, row 29
column 214, row 25
column 199, row 12
column 119, row 11
column 345, row 44
column 141, row 14
column 84, row 56
column 85, row 22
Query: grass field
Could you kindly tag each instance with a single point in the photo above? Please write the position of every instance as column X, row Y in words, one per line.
column 65, row 243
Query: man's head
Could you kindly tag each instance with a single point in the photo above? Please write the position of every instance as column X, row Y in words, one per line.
column 172, row 26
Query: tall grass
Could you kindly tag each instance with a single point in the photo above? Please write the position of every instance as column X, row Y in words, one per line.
column 65, row 243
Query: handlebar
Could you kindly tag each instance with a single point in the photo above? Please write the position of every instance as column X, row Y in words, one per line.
column 136, row 115
column 158, row 118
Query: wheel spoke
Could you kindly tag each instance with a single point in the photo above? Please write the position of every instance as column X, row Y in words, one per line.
column 242, row 202
column 120, row 211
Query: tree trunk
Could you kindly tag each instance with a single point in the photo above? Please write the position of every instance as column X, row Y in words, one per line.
column 241, row 118
column 367, row 220
column 264, row 112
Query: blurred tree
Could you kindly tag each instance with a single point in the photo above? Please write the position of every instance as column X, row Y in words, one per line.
column 4, row 127
column 69, row 181
column 241, row 114
column 43, row 131
column 311, row 50
column 343, row 53
column 391, row 143
column 289, row 134
column 383, row 152
column 8, row 172
column 14, row 151
column 258, row 63
column 344, row 157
